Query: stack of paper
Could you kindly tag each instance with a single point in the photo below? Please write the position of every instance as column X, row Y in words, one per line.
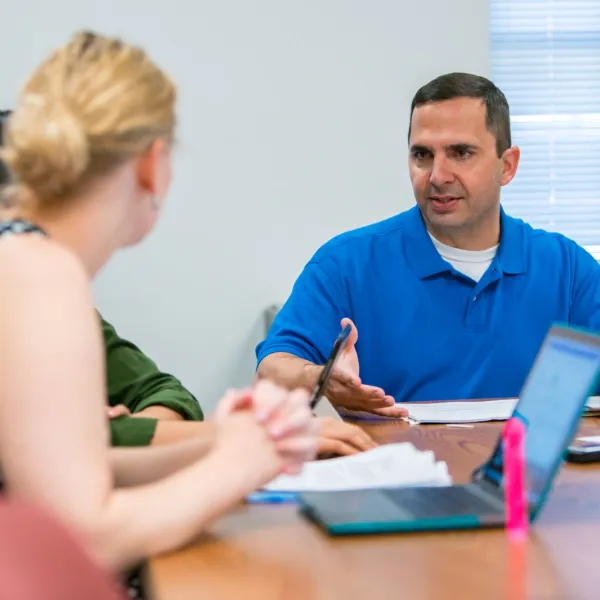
column 472, row 411
column 462, row 411
column 390, row 465
column 593, row 404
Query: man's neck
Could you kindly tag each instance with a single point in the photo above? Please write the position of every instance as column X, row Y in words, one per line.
column 480, row 237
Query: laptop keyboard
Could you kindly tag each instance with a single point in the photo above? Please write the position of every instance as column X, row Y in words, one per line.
column 440, row 501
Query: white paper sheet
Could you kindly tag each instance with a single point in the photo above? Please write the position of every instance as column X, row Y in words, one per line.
column 461, row 412
column 389, row 465
column 474, row 411
column 593, row 404
column 594, row 439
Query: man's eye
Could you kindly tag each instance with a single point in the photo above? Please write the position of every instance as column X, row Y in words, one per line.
column 462, row 154
column 420, row 154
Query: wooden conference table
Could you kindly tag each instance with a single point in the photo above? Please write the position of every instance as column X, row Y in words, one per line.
column 271, row 552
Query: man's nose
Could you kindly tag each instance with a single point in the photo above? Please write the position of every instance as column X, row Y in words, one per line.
column 441, row 173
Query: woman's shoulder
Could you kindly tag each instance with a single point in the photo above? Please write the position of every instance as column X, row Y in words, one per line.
column 37, row 260
column 45, row 294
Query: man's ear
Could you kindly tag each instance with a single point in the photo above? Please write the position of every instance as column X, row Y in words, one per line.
column 510, row 164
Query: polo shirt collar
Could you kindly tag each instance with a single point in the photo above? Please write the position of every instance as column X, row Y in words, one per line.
column 512, row 252
column 425, row 260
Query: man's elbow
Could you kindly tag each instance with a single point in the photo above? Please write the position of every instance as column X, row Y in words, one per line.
column 263, row 368
column 272, row 365
column 287, row 370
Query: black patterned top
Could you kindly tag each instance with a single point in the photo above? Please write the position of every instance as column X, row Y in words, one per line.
column 18, row 226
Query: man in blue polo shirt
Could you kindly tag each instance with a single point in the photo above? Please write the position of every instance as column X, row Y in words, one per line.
column 450, row 299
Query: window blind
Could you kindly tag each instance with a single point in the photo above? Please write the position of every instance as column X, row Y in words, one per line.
column 545, row 56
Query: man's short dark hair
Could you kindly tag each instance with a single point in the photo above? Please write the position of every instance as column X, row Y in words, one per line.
column 466, row 85
column 4, row 173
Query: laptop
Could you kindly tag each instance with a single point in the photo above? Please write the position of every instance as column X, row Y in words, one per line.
column 564, row 374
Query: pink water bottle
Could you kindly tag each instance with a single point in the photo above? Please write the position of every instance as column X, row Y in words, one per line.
column 515, row 494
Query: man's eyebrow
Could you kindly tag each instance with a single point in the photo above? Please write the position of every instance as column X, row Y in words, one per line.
column 419, row 148
column 462, row 147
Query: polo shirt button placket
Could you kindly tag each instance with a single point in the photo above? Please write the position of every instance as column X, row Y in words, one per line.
column 477, row 312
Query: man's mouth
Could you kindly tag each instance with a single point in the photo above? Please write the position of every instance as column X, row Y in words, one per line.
column 444, row 203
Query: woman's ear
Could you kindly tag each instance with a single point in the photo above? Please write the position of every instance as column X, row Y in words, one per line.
column 154, row 169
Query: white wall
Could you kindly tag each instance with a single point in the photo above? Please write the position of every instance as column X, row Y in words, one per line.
column 293, row 129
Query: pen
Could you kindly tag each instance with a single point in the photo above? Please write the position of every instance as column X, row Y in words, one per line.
column 338, row 346
column 268, row 497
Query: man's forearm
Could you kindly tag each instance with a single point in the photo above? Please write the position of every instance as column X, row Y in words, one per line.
column 139, row 466
column 289, row 371
column 169, row 432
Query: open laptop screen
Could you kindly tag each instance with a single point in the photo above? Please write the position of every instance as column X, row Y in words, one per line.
column 550, row 405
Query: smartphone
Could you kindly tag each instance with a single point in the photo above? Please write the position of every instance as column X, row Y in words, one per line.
column 338, row 346
column 582, row 451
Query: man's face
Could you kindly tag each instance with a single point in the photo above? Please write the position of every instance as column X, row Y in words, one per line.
column 455, row 171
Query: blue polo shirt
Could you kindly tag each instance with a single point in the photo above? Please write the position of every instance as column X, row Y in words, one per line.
column 425, row 330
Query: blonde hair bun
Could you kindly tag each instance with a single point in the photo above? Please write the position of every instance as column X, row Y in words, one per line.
column 93, row 104
column 48, row 150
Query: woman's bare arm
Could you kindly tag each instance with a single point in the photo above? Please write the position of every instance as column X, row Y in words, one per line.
column 53, row 429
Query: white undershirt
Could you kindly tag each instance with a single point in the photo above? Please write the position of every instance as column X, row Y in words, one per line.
column 472, row 263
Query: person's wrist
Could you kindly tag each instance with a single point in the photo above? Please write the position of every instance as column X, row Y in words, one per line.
column 253, row 466
column 242, row 472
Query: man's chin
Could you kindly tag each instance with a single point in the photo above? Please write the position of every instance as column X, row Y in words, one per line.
column 452, row 220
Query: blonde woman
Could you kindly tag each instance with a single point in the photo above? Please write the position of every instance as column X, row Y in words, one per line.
column 89, row 146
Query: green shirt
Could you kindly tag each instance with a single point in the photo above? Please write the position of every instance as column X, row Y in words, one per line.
column 134, row 380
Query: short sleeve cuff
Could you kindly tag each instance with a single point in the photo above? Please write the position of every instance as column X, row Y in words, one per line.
column 131, row 431
column 304, row 353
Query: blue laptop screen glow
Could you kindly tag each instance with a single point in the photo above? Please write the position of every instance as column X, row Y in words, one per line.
column 550, row 404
